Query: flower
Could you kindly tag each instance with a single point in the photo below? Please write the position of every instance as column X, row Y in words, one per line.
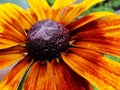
column 55, row 50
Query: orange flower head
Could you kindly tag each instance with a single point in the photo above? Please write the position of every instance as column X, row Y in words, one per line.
column 55, row 48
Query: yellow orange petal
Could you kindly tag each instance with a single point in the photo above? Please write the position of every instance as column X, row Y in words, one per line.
column 41, row 8
column 58, row 4
column 13, row 78
column 10, row 33
column 100, row 71
column 87, row 19
column 69, row 15
column 14, row 21
column 6, row 43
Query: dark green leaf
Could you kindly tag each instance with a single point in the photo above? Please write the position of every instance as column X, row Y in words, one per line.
column 50, row 2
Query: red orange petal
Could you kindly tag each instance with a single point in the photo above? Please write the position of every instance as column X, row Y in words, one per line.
column 100, row 35
column 105, row 46
column 66, row 78
column 13, row 50
column 40, row 77
column 87, row 19
column 106, row 26
column 54, row 76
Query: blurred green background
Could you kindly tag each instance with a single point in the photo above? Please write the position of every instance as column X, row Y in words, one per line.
column 107, row 5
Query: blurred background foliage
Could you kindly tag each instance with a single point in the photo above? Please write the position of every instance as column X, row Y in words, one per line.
column 107, row 5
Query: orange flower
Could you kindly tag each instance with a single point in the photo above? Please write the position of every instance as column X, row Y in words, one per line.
column 55, row 50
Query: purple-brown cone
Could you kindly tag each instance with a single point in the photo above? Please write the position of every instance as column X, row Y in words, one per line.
column 46, row 39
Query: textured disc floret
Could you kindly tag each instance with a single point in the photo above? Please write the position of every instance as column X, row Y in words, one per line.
column 46, row 39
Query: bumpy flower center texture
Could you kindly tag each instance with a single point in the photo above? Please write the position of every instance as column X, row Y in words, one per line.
column 46, row 39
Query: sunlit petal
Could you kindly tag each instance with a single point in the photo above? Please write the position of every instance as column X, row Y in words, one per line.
column 32, row 14
column 13, row 78
column 41, row 8
column 14, row 21
column 59, row 7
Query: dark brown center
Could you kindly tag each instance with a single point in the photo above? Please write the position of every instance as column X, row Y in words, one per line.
column 46, row 39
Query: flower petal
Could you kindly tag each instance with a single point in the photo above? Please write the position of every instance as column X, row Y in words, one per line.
column 106, row 25
column 11, row 55
column 40, row 77
column 87, row 19
column 77, row 9
column 59, row 7
column 10, row 32
column 5, row 43
column 100, row 35
column 14, row 21
column 66, row 78
column 13, row 50
column 107, row 46
column 13, row 78
column 32, row 14
column 100, row 71
column 54, row 76
column 41, row 8
column 58, row 4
